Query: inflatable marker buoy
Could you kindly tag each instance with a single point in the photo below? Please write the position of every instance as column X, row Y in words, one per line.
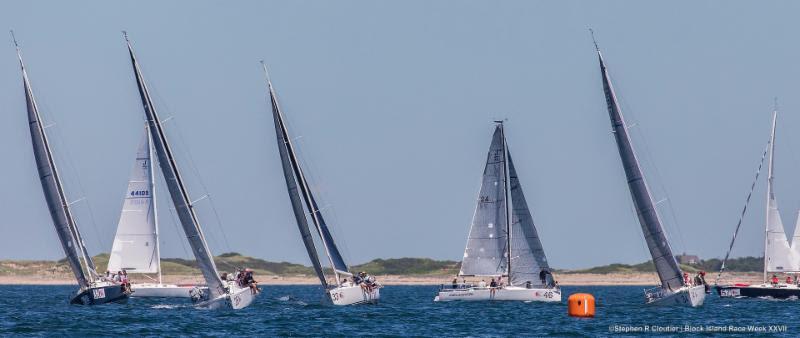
column 581, row 305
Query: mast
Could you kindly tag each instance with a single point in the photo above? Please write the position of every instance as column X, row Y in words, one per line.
column 292, row 173
column 153, row 199
column 180, row 196
column 505, row 195
column 53, row 189
column 667, row 267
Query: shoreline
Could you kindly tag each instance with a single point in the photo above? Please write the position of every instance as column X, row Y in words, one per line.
column 565, row 279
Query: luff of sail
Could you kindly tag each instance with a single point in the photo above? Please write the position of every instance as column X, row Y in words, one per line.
column 135, row 247
column 291, row 172
column 57, row 203
column 484, row 254
column 778, row 256
column 527, row 252
column 331, row 249
column 667, row 267
column 179, row 195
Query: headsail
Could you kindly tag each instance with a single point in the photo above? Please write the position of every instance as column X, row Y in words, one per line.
column 177, row 190
column 667, row 267
column 778, row 256
column 57, row 203
column 291, row 172
column 485, row 252
column 527, row 253
column 135, row 247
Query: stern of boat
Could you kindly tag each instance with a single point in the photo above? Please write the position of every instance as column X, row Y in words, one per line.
column 354, row 294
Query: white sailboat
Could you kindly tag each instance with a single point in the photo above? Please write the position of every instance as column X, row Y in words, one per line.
column 136, row 248
column 93, row 289
column 503, row 242
column 220, row 292
column 673, row 289
column 779, row 255
column 340, row 292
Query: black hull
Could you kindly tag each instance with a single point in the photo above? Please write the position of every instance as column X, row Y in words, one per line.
column 101, row 295
column 755, row 292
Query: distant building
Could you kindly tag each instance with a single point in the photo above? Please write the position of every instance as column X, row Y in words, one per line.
column 688, row 259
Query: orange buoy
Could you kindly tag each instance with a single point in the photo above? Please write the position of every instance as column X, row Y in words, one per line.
column 580, row 305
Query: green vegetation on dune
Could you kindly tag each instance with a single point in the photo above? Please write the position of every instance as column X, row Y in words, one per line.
column 742, row 264
column 394, row 266
column 408, row 266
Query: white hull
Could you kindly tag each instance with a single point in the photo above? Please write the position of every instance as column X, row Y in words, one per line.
column 687, row 296
column 162, row 290
column 352, row 295
column 507, row 293
column 236, row 298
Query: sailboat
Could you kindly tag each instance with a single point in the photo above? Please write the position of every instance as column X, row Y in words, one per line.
column 779, row 256
column 673, row 289
column 93, row 289
column 136, row 249
column 340, row 292
column 503, row 241
column 219, row 291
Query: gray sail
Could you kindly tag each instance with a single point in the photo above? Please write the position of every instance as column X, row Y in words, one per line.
column 484, row 254
column 332, row 251
column 177, row 190
column 527, row 253
column 57, row 203
column 667, row 267
column 290, row 173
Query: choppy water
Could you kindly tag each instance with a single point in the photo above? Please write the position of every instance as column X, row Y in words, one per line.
column 404, row 311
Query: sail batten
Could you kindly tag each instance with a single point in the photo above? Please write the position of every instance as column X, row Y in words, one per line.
column 57, row 203
column 667, row 267
column 177, row 190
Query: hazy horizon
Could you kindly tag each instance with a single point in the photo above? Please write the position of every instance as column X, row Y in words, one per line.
column 392, row 103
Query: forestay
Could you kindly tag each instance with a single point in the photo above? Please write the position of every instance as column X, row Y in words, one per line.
column 527, row 254
column 135, row 247
column 484, row 254
column 667, row 267
column 179, row 195
column 57, row 202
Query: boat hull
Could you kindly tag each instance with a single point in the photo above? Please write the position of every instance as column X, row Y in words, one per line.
column 353, row 295
column 239, row 297
column 508, row 293
column 692, row 296
column 163, row 290
column 781, row 291
column 97, row 295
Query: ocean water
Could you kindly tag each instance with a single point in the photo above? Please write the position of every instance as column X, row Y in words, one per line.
column 403, row 311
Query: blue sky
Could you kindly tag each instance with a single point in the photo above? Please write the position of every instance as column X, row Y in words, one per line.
column 392, row 104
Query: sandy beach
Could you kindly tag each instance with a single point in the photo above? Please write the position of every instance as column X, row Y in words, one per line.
column 643, row 279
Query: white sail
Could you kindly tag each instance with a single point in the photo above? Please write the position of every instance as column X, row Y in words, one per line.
column 794, row 244
column 135, row 246
column 777, row 254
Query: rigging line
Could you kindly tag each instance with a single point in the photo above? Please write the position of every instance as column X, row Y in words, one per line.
column 744, row 210
column 64, row 156
column 650, row 163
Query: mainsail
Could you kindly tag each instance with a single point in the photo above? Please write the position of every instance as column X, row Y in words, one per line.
column 527, row 253
column 177, row 190
column 57, row 203
column 290, row 171
column 667, row 267
column 295, row 179
column 485, row 253
column 778, row 256
column 135, row 247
